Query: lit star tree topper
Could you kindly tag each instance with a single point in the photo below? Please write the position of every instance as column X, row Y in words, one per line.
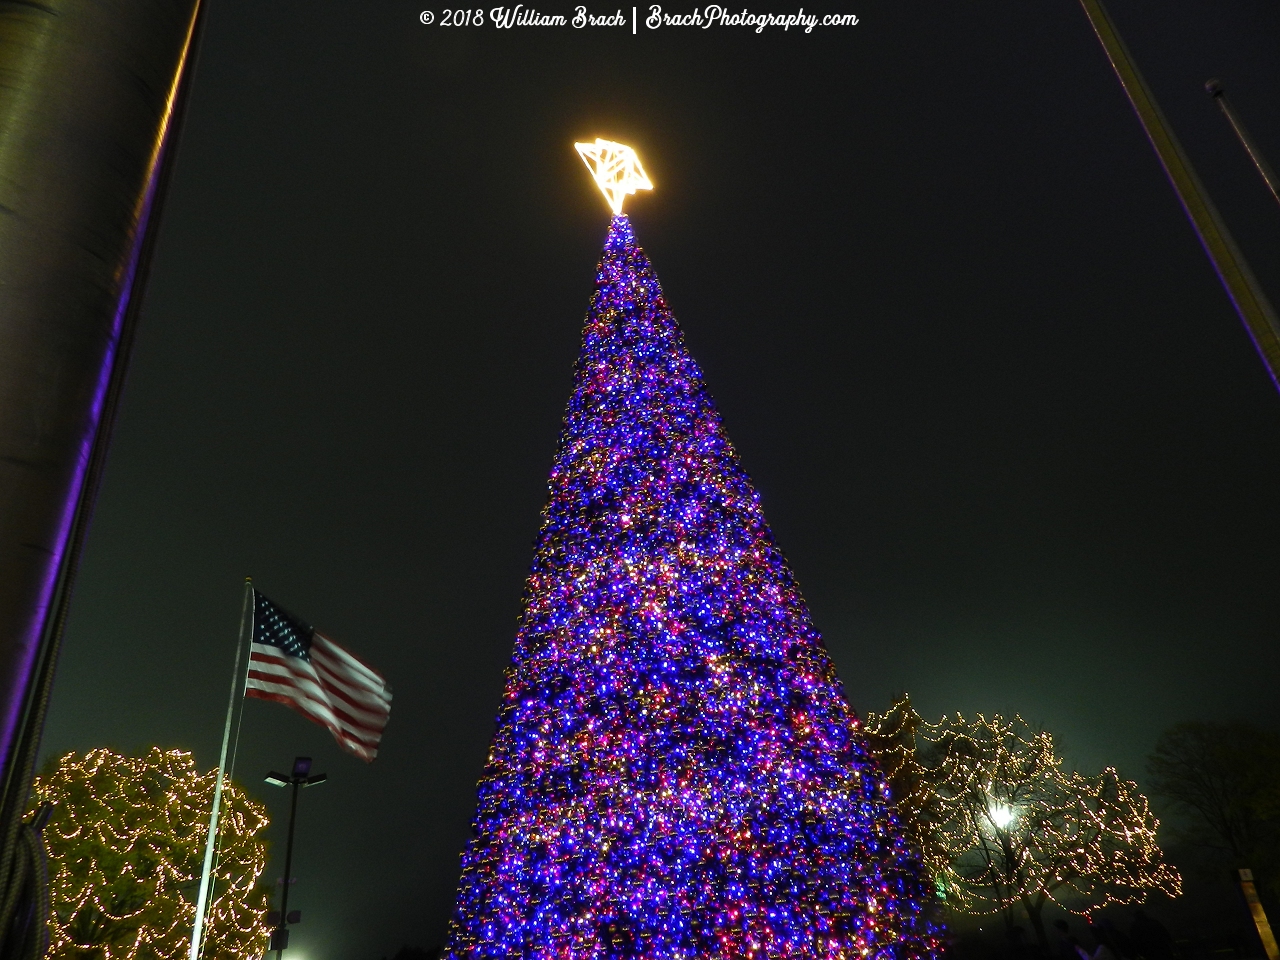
column 676, row 773
column 616, row 170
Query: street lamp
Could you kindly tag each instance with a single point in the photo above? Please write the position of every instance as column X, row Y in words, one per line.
column 301, row 777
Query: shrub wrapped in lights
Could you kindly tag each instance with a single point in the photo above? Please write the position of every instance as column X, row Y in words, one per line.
column 126, row 842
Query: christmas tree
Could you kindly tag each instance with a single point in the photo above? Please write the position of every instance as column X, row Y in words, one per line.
column 676, row 772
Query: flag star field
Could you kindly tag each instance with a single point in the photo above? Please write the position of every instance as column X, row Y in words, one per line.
column 273, row 627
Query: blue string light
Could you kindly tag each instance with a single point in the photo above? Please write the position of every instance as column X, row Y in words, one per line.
column 676, row 772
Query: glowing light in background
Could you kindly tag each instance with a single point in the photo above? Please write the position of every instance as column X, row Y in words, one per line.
column 1001, row 815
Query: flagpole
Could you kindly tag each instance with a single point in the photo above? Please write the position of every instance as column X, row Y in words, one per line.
column 202, row 898
column 1242, row 286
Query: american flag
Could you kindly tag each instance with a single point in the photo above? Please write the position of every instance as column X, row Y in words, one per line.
column 294, row 664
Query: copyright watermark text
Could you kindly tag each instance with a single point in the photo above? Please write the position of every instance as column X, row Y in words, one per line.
column 714, row 15
column 650, row 17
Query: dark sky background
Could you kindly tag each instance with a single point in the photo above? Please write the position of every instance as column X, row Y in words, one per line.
column 1016, row 444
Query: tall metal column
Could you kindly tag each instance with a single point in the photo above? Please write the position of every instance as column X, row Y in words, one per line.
column 89, row 95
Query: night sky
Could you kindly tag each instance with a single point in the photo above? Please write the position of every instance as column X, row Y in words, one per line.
column 1017, row 446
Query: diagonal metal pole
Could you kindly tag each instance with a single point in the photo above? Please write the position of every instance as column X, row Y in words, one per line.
column 211, row 842
column 1214, row 89
column 1242, row 286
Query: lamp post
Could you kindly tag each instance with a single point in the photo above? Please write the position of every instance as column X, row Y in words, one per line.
column 301, row 777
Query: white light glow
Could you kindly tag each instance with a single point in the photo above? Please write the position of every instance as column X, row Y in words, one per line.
column 616, row 170
column 1001, row 816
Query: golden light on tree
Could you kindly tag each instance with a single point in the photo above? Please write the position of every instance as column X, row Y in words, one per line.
column 999, row 824
column 125, row 843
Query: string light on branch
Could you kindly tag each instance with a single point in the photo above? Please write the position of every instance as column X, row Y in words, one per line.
column 125, row 843
column 999, row 823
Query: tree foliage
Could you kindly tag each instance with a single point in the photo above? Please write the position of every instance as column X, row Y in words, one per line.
column 126, row 845
column 1223, row 779
column 1225, row 776
column 1000, row 824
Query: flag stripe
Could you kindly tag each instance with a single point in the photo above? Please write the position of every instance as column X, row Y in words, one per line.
column 313, row 709
column 355, row 664
column 373, row 713
column 366, row 751
column 307, row 689
column 357, row 696
column 322, row 658
column 322, row 654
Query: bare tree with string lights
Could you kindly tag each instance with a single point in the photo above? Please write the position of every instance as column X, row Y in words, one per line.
column 1000, row 825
